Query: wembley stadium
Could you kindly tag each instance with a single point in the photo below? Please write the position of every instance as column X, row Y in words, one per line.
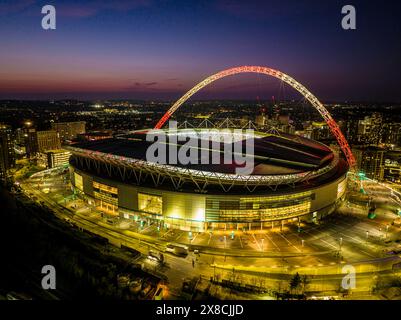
column 293, row 178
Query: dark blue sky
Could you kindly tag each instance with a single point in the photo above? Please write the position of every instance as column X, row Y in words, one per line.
column 150, row 49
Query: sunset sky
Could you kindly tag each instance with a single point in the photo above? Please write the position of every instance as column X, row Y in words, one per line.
column 144, row 49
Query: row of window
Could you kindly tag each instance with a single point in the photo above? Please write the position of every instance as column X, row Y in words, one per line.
column 243, row 209
column 258, row 203
column 263, row 214
column 100, row 187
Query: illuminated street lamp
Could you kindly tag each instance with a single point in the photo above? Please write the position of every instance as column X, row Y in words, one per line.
column 263, row 240
column 341, row 243
column 225, row 241
column 367, row 235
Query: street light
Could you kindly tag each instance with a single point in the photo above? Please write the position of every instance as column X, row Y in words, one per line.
column 367, row 235
column 262, row 243
column 341, row 243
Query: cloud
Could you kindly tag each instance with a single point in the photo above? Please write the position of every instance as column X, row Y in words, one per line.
column 146, row 84
column 141, row 86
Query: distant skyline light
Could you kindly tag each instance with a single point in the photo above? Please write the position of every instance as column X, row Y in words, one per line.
column 149, row 49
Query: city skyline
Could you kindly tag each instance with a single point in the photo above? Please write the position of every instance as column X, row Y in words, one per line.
column 159, row 50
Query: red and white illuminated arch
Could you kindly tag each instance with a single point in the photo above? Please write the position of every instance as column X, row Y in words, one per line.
column 279, row 75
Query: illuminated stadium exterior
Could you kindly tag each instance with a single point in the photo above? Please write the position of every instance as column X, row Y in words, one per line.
column 293, row 178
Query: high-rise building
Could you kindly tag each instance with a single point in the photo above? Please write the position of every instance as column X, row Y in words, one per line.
column 392, row 133
column 56, row 158
column 319, row 131
column 370, row 129
column 7, row 154
column 42, row 141
column 31, row 142
column 48, row 140
column 20, row 136
column 69, row 130
column 350, row 130
column 392, row 171
column 284, row 124
column 370, row 160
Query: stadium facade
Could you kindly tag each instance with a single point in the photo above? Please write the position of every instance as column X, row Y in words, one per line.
column 293, row 179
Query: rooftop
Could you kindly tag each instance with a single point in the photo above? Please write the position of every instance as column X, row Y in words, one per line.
column 273, row 153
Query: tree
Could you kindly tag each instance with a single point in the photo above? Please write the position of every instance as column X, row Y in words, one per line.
column 295, row 282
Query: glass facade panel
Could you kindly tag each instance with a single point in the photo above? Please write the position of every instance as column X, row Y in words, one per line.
column 258, row 208
column 105, row 193
column 150, row 203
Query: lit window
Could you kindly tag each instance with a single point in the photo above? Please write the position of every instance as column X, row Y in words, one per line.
column 150, row 203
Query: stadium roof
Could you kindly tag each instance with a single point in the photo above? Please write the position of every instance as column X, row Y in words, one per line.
column 274, row 153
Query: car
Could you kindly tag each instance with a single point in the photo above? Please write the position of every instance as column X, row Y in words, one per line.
column 153, row 258
column 178, row 250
